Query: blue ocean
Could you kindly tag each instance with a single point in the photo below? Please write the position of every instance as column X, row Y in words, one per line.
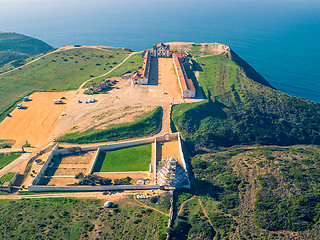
column 279, row 38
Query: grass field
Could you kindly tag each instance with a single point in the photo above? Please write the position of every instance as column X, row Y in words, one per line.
column 132, row 64
column 67, row 218
column 5, row 160
column 148, row 124
column 8, row 177
column 131, row 159
column 60, row 71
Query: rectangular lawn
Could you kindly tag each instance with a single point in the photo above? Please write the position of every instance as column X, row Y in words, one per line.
column 132, row 159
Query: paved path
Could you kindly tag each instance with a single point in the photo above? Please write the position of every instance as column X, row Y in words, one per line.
column 10, row 150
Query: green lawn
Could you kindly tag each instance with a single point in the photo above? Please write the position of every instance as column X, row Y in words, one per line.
column 60, row 71
column 131, row 159
column 8, row 177
column 5, row 160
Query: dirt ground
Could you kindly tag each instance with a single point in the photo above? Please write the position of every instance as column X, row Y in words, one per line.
column 205, row 48
column 36, row 122
column 62, row 181
column 134, row 175
column 71, row 166
column 82, row 159
column 167, row 78
column 170, row 149
column 103, row 119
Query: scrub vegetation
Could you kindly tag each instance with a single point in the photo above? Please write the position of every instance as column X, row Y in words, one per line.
column 14, row 48
column 67, row 218
column 248, row 190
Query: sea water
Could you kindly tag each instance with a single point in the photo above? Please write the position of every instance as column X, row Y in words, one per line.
column 279, row 38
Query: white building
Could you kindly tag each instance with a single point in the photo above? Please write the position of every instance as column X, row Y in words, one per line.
column 161, row 50
column 141, row 77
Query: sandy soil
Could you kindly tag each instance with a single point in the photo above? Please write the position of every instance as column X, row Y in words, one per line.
column 71, row 166
column 62, row 181
column 168, row 80
column 102, row 119
column 169, row 149
column 70, row 171
column 35, row 123
column 85, row 158
column 134, row 175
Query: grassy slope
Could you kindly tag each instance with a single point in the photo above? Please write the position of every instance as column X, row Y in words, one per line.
column 62, row 218
column 148, row 124
column 56, row 72
column 5, row 160
column 15, row 46
column 127, row 160
column 8, row 177
column 242, row 108
column 132, row 64
column 248, row 189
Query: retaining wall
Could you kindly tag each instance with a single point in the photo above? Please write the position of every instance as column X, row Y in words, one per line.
column 94, row 161
column 13, row 181
column 45, row 165
column 115, row 146
column 183, row 161
column 39, row 188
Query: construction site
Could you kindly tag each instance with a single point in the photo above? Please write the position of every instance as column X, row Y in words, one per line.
column 41, row 117
column 167, row 169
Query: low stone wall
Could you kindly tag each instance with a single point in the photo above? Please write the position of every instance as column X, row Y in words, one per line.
column 155, row 161
column 45, row 165
column 39, row 188
column 66, row 151
column 116, row 146
column 14, row 179
column 94, row 161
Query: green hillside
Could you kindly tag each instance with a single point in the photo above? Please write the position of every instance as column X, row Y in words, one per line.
column 14, row 46
column 248, row 191
column 242, row 108
column 264, row 192
column 59, row 71
column 68, row 218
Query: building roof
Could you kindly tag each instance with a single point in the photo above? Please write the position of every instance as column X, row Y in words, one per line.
column 162, row 45
column 185, row 82
column 145, row 64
